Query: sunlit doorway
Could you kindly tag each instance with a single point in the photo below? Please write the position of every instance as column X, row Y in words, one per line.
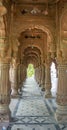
column 30, row 71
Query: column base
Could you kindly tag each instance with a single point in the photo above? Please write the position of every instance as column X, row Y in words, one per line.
column 15, row 96
column 20, row 92
column 4, row 126
column 48, row 94
column 14, row 93
column 4, row 118
column 61, row 114
column 39, row 85
column 5, row 114
column 42, row 87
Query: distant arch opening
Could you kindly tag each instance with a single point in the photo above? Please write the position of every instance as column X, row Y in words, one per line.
column 30, row 71
column 54, row 79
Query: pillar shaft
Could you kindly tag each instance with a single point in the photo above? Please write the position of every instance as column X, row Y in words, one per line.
column 14, row 81
column 19, row 78
column 4, row 92
column 36, row 74
column 61, row 113
column 21, row 73
column 39, row 75
column 43, row 78
column 4, row 68
column 47, row 82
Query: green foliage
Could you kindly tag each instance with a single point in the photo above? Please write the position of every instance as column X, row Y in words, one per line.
column 30, row 70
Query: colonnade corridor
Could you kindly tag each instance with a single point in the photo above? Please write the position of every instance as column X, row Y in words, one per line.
column 32, row 111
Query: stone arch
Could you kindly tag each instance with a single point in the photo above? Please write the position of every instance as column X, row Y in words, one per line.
column 35, row 52
column 45, row 29
column 34, row 47
column 41, row 27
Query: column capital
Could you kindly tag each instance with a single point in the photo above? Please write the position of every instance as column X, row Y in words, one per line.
column 61, row 59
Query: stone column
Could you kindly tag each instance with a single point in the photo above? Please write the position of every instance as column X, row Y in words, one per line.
column 47, row 81
column 24, row 73
column 14, row 82
column 61, row 112
column 4, row 92
column 14, row 78
column 36, row 74
column 43, row 78
column 39, row 75
column 4, row 68
column 19, row 78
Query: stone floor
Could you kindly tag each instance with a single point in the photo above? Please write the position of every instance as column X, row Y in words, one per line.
column 32, row 111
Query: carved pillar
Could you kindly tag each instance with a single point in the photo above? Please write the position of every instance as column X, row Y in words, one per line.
column 47, row 81
column 43, row 77
column 4, row 92
column 24, row 74
column 39, row 75
column 36, row 74
column 19, row 77
column 48, row 61
column 14, row 82
column 21, row 73
column 4, row 69
column 61, row 112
